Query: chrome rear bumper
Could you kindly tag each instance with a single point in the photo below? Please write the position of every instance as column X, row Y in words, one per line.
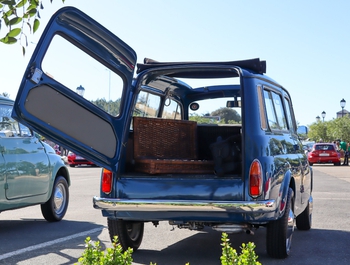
column 109, row 204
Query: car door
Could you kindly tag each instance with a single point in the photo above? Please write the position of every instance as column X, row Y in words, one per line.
column 27, row 166
column 50, row 101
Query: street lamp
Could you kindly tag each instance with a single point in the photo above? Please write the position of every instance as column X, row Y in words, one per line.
column 342, row 105
column 318, row 118
column 323, row 115
column 80, row 90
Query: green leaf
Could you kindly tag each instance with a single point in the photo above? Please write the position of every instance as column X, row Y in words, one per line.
column 9, row 13
column 6, row 20
column 15, row 32
column 9, row 2
column 36, row 25
column 32, row 12
column 15, row 21
column 8, row 40
column 31, row 6
column 21, row 3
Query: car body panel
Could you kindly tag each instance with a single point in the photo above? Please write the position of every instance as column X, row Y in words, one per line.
column 28, row 166
column 30, row 175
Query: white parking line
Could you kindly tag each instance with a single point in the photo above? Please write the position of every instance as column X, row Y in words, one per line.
column 49, row 243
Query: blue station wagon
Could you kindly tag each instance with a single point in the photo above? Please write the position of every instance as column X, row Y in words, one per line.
column 196, row 144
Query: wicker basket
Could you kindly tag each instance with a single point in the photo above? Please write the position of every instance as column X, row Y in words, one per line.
column 164, row 138
column 174, row 166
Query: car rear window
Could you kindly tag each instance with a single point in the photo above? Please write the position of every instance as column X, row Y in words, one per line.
column 324, row 147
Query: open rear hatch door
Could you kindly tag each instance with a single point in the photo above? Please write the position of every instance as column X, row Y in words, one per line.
column 77, row 54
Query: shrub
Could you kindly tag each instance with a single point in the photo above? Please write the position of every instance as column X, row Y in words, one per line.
column 230, row 257
column 93, row 255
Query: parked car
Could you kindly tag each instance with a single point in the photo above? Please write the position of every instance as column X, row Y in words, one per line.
column 161, row 162
column 307, row 146
column 324, row 153
column 76, row 160
column 31, row 173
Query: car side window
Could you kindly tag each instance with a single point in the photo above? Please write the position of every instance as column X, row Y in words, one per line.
column 271, row 116
column 10, row 127
column 289, row 114
column 274, row 110
column 147, row 105
column 171, row 110
column 80, row 72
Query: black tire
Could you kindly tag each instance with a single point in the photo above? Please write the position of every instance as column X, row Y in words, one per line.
column 279, row 233
column 129, row 233
column 72, row 165
column 304, row 220
column 337, row 164
column 56, row 207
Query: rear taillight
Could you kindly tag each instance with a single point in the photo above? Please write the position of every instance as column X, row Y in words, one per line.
column 255, row 179
column 107, row 180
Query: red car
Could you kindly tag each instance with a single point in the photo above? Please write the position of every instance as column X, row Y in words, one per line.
column 324, row 153
column 76, row 160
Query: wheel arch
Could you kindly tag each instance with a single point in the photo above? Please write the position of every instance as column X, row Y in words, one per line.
column 63, row 171
column 288, row 182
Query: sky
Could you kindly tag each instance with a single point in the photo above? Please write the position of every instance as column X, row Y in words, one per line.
column 306, row 44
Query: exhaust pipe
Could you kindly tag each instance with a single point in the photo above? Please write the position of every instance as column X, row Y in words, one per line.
column 233, row 228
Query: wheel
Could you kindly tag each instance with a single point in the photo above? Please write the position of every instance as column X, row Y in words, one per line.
column 129, row 233
column 337, row 164
column 279, row 233
column 55, row 208
column 71, row 165
column 304, row 220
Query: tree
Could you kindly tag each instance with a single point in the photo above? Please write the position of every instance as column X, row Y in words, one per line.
column 330, row 131
column 16, row 14
column 112, row 107
column 228, row 115
column 318, row 132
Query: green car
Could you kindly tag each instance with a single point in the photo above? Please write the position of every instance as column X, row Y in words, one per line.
column 30, row 171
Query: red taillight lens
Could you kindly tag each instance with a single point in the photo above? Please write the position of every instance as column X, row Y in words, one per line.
column 255, row 179
column 106, row 182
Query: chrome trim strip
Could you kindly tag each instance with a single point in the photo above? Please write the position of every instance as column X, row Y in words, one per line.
column 141, row 205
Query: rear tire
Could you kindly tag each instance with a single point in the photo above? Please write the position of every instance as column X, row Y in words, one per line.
column 304, row 220
column 279, row 233
column 129, row 233
column 56, row 207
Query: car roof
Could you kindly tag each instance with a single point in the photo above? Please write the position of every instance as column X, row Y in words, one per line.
column 5, row 100
column 255, row 65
